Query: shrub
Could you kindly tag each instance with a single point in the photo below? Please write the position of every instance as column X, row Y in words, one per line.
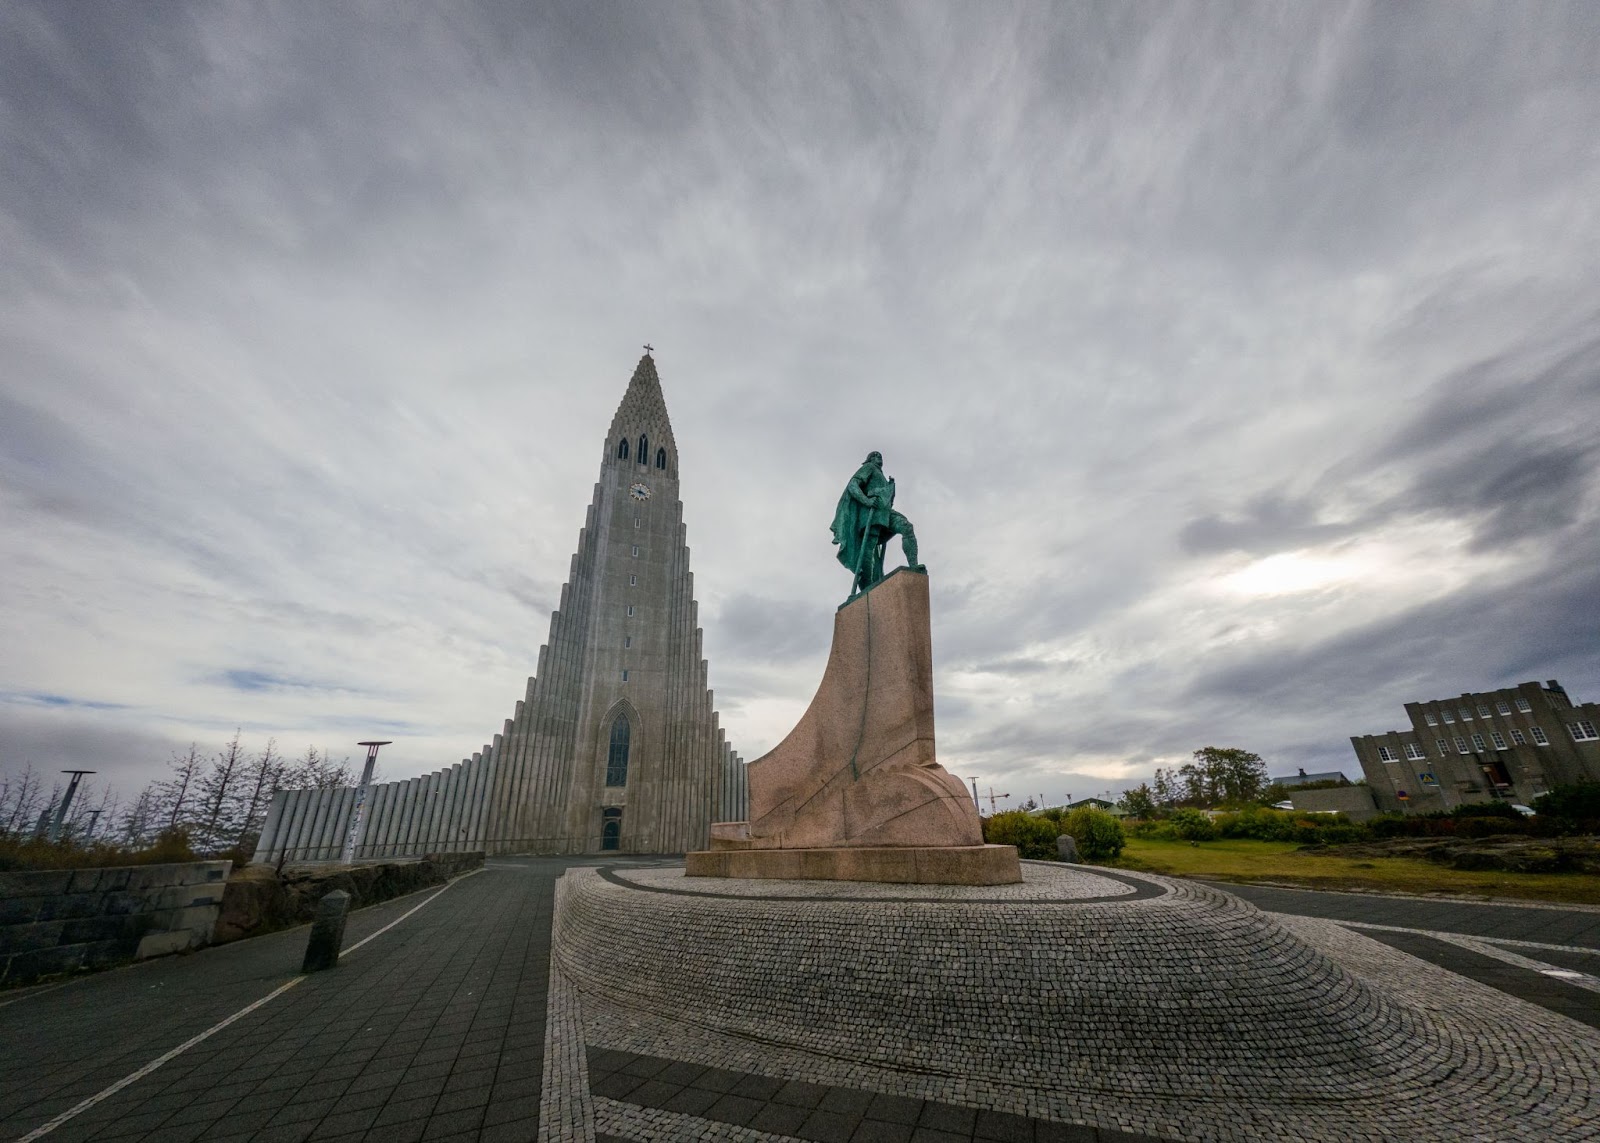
column 1034, row 837
column 1192, row 825
column 1578, row 803
column 1098, row 834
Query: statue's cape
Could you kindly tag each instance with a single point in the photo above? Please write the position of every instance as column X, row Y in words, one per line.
column 850, row 519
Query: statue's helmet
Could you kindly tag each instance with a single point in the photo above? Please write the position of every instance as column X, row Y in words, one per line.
column 875, row 457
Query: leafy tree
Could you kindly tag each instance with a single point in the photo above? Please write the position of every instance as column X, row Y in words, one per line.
column 1578, row 802
column 1098, row 834
column 1139, row 802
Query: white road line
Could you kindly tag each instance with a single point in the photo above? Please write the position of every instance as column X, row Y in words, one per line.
column 1486, row 946
column 133, row 1077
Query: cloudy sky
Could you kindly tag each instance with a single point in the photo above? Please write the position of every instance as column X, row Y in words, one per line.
column 1239, row 364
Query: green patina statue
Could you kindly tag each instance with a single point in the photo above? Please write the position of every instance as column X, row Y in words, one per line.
column 864, row 521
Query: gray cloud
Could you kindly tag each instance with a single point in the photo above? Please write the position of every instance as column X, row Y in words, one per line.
column 312, row 324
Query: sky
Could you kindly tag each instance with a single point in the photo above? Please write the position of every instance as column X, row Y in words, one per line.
column 1238, row 364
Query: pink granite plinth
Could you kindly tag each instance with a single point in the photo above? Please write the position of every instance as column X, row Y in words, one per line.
column 858, row 772
column 903, row 865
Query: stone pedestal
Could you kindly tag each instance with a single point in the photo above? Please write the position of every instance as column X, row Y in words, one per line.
column 858, row 772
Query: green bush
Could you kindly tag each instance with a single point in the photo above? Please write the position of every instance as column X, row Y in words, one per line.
column 1034, row 837
column 1098, row 834
column 1578, row 803
column 1192, row 825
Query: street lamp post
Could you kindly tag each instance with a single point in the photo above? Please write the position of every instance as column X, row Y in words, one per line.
column 356, row 815
column 66, row 800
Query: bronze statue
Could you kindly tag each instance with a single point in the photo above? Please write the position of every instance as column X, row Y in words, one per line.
column 864, row 521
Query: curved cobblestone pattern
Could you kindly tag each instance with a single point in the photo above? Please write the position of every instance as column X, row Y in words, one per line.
column 1190, row 1013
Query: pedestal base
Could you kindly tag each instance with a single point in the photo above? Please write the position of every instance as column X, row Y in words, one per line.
column 930, row 865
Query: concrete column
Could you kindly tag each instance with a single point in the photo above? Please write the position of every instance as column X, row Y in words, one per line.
column 452, row 801
column 408, row 813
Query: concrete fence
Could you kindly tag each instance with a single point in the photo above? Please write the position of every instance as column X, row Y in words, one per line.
column 58, row 920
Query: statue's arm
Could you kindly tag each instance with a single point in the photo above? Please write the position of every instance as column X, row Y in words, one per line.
column 858, row 487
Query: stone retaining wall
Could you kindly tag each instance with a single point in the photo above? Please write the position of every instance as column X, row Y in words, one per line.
column 260, row 899
column 54, row 921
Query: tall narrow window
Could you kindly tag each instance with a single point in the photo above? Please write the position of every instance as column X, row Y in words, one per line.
column 644, row 449
column 1539, row 738
column 1433, row 719
column 661, row 458
column 1503, row 706
column 1498, row 739
column 611, row 829
column 617, row 757
column 630, row 609
column 622, row 449
column 633, row 581
column 1522, row 705
column 627, row 640
column 1477, row 742
column 1516, row 737
column 636, row 551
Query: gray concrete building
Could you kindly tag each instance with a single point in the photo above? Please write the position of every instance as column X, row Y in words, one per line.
column 1512, row 744
column 615, row 745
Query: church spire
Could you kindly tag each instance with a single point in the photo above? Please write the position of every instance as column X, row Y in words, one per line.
column 641, row 417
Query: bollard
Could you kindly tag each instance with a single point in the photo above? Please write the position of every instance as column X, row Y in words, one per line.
column 1067, row 847
column 327, row 932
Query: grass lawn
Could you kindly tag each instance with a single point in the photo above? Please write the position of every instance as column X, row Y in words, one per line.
column 1278, row 862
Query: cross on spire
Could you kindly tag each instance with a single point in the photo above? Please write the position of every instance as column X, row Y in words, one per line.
column 649, row 349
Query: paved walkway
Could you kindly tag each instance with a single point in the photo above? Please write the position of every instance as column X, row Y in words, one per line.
column 435, row 1030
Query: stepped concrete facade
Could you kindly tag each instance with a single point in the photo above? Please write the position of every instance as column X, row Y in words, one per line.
column 615, row 746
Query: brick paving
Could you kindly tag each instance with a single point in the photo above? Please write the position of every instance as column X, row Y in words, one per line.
column 821, row 1113
column 433, row 1031
column 438, row 1030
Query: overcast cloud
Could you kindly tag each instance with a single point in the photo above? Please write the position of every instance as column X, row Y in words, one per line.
column 1239, row 364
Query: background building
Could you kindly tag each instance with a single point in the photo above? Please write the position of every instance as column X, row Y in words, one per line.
column 615, row 745
column 1513, row 744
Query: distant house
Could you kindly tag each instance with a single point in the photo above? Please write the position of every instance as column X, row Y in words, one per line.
column 1097, row 803
column 1289, row 781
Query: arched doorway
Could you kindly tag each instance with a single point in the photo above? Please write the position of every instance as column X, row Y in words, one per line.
column 611, row 829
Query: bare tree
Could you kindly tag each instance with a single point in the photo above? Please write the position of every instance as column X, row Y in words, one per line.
column 19, row 799
column 178, row 792
column 216, row 792
column 263, row 778
column 139, row 820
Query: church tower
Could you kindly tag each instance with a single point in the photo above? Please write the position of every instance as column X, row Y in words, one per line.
column 615, row 745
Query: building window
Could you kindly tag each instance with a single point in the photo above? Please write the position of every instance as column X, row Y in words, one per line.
column 636, row 547
column 1461, row 746
column 622, row 449
column 636, row 519
column 1449, row 717
column 617, row 757
column 611, row 829
column 1414, row 750
column 630, row 609
column 1523, row 706
column 1433, row 719
column 1503, row 706
column 633, row 581
column 1466, row 715
column 1444, row 747
column 1387, row 755
column 1483, row 710
column 1538, row 736
column 644, row 449
column 661, row 458
column 627, row 640
column 1477, row 742
column 1516, row 737
column 1498, row 739
column 624, row 674
column 1582, row 731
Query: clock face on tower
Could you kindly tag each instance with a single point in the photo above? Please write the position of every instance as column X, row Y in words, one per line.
column 640, row 491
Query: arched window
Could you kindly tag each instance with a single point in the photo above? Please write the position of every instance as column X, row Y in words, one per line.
column 661, row 458
column 617, row 759
column 622, row 449
column 644, row 449
column 611, row 829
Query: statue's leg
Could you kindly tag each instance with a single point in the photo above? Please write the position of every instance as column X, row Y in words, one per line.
column 908, row 539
